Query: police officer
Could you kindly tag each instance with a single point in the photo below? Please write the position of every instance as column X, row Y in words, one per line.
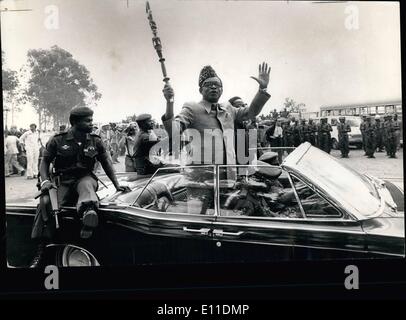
column 379, row 133
column 288, row 136
column 74, row 154
column 390, row 134
column 324, row 134
column 396, row 124
column 304, row 131
column 296, row 133
column 362, row 129
column 144, row 141
column 343, row 128
column 312, row 133
column 370, row 139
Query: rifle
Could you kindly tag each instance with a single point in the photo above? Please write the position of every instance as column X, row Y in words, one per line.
column 53, row 196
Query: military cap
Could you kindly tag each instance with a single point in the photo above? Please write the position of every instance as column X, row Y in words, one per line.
column 81, row 112
column 377, row 117
column 341, row 117
column 269, row 171
column 269, row 157
column 143, row 117
column 206, row 73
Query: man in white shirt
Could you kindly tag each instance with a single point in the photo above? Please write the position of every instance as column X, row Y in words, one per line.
column 10, row 155
column 31, row 142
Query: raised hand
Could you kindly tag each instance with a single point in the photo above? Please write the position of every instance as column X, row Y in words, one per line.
column 263, row 75
column 168, row 92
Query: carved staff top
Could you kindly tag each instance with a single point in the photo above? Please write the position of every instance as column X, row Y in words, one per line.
column 156, row 41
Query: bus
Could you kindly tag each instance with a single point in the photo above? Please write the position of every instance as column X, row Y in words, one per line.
column 363, row 109
column 373, row 109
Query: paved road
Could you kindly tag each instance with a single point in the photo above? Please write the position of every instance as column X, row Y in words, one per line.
column 20, row 189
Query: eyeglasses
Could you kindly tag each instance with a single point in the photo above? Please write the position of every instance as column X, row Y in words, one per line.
column 212, row 84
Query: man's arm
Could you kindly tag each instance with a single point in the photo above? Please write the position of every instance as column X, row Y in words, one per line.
column 260, row 98
column 48, row 156
column 23, row 137
column 169, row 95
column 108, row 168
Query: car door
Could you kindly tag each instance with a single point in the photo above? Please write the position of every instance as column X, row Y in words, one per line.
column 326, row 231
column 170, row 221
column 242, row 232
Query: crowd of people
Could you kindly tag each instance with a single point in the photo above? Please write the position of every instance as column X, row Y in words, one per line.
column 284, row 134
column 377, row 135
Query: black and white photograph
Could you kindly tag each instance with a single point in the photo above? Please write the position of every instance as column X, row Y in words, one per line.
column 142, row 133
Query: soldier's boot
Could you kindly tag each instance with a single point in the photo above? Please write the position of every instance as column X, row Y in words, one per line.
column 35, row 262
column 90, row 221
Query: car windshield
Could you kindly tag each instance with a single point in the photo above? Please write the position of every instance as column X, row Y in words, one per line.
column 352, row 190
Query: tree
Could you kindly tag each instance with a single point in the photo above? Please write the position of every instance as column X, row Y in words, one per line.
column 10, row 84
column 57, row 84
column 290, row 105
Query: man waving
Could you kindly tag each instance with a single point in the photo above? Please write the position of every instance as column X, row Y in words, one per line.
column 212, row 120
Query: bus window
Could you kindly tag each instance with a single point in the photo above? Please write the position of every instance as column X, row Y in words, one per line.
column 389, row 108
column 350, row 112
column 336, row 112
column 364, row 110
column 372, row 110
column 380, row 110
column 399, row 108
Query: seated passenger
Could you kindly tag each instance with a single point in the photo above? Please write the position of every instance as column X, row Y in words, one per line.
column 144, row 141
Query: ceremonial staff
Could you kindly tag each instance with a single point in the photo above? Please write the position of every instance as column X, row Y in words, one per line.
column 156, row 41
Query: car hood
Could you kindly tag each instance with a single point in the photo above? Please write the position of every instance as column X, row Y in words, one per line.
column 355, row 193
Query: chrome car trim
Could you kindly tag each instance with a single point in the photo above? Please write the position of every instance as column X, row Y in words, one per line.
column 317, row 247
column 288, row 227
column 170, row 216
column 297, row 196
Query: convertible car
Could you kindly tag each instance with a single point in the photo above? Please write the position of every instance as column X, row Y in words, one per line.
column 310, row 207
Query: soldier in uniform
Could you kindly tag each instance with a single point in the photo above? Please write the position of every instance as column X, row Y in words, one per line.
column 312, row 132
column 288, row 134
column 324, row 134
column 390, row 134
column 144, row 141
column 370, row 139
column 304, row 131
column 379, row 133
column 362, row 129
column 296, row 133
column 343, row 129
column 396, row 123
column 74, row 154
